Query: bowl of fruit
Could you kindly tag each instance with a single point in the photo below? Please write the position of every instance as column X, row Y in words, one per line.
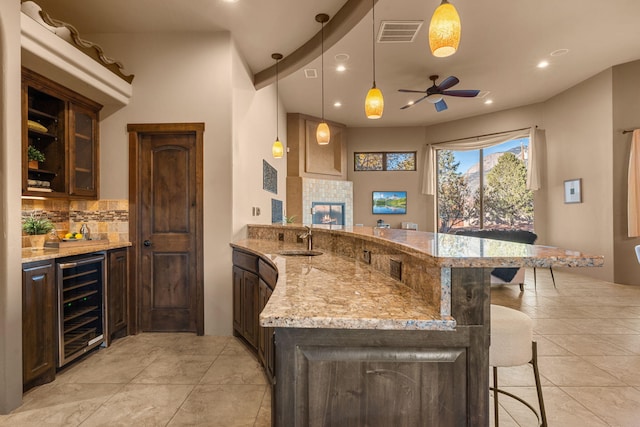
column 72, row 236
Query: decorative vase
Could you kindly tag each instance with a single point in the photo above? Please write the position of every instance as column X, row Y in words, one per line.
column 34, row 164
column 37, row 241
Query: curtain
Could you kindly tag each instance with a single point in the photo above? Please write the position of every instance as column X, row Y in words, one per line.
column 475, row 143
column 633, row 187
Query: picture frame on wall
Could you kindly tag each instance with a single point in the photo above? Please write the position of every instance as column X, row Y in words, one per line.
column 389, row 202
column 573, row 191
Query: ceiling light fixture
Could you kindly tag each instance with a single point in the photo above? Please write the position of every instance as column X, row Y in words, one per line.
column 543, row 64
column 277, row 149
column 444, row 30
column 337, row 104
column 323, row 135
column 374, row 102
column 341, row 68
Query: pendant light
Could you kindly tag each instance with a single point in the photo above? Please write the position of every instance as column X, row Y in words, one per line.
column 444, row 30
column 323, row 135
column 374, row 102
column 277, row 149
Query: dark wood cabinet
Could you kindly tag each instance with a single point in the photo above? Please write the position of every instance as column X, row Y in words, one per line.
column 38, row 323
column 253, row 282
column 117, row 293
column 63, row 126
column 245, row 303
column 265, row 335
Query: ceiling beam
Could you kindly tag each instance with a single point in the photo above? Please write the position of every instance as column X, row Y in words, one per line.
column 338, row 26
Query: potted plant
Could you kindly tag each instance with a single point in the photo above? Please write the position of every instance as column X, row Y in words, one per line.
column 37, row 227
column 35, row 156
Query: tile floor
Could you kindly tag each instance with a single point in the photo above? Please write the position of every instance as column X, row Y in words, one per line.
column 589, row 353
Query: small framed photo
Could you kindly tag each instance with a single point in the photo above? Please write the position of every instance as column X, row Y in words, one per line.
column 573, row 191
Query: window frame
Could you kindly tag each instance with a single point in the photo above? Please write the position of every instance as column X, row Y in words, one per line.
column 385, row 166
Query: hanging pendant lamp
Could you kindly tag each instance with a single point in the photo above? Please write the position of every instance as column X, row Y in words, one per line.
column 323, row 135
column 374, row 102
column 444, row 30
column 277, row 149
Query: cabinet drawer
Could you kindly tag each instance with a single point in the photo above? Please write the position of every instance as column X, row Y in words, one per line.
column 268, row 273
column 245, row 260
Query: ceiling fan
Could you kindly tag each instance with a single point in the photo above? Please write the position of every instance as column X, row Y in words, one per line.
column 434, row 93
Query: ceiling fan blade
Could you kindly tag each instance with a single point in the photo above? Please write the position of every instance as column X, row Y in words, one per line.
column 448, row 82
column 412, row 91
column 413, row 103
column 440, row 105
column 466, row 93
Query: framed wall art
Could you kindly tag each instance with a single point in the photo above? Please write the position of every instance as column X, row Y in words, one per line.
column 573, row 191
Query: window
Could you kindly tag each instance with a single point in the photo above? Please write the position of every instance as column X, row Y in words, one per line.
column 492, row 196
column 385, row 161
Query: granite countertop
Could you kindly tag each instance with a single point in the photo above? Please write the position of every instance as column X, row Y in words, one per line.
column 29, row 255
column 333, row 291
column 449, row 250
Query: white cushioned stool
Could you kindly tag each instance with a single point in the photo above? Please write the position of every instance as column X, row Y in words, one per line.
column 512, row 345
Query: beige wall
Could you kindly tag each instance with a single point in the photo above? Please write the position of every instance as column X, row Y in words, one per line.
column 254, row 127
column 578, row 125
column 364, row 183
column 10, row 188
column 626, row 115
column 200, row 77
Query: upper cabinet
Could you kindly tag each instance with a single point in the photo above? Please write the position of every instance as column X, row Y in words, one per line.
column 59, row 140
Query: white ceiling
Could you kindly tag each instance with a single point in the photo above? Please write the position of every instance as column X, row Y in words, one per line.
column 502, row 41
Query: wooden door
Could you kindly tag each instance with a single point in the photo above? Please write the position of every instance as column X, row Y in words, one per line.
column 167, row 186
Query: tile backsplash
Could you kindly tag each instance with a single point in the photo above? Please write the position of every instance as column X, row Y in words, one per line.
column 106, row 219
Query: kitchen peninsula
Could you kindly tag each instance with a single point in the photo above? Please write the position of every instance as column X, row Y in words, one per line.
column 385, row 327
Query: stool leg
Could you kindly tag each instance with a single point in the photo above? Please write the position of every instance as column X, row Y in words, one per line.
column 552, row 278
column 495, row 395
column 535, row 282
column 536, row 374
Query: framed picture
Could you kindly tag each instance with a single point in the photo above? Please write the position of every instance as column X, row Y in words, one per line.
column 573, row 191
column 389, row 202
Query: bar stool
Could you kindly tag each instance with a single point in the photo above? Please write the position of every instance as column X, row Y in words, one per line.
column 512, row 345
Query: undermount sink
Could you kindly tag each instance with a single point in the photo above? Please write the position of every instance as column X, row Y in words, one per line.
column 299, row 252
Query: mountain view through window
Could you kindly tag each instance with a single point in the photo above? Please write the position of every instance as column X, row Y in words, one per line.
column 493, row 196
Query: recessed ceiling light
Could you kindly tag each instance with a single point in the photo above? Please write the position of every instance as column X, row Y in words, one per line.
column 411, row 102
column 230, row 1
column 543, row 64
column 488, row 101
column 337, row 104
column 341, row 68
column 342, row 57
column 559, row 52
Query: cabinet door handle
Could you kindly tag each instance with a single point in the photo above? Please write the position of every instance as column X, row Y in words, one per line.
column 147, row 243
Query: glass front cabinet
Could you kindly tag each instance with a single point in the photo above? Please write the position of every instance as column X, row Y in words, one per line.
column 59, row 140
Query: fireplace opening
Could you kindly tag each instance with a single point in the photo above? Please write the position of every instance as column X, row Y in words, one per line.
column 327, row 213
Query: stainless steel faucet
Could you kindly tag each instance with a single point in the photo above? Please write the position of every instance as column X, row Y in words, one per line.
column 308, row 235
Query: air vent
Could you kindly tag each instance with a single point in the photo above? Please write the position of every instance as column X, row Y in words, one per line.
column 398, row 31
column 311, row 73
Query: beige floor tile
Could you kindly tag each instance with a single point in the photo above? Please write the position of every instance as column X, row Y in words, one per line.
column 105, row 369
column 599, row 326
column 627, row 342
column 574, row 371
column 264, row 414
column 546, row 347
column 140, row 405
column 553, row 327
column 625, row 368
column 228, row 405
column 587, row 345
column 175, row 369
column 562, row 410
column 617, row 406
column 237, row 369
column 202, row 345
column 234, row 347
column 57, row 404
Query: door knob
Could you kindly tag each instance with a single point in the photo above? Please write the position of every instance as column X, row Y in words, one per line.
column 147, row 243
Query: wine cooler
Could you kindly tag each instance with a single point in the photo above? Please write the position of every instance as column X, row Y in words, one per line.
column 81, row 314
